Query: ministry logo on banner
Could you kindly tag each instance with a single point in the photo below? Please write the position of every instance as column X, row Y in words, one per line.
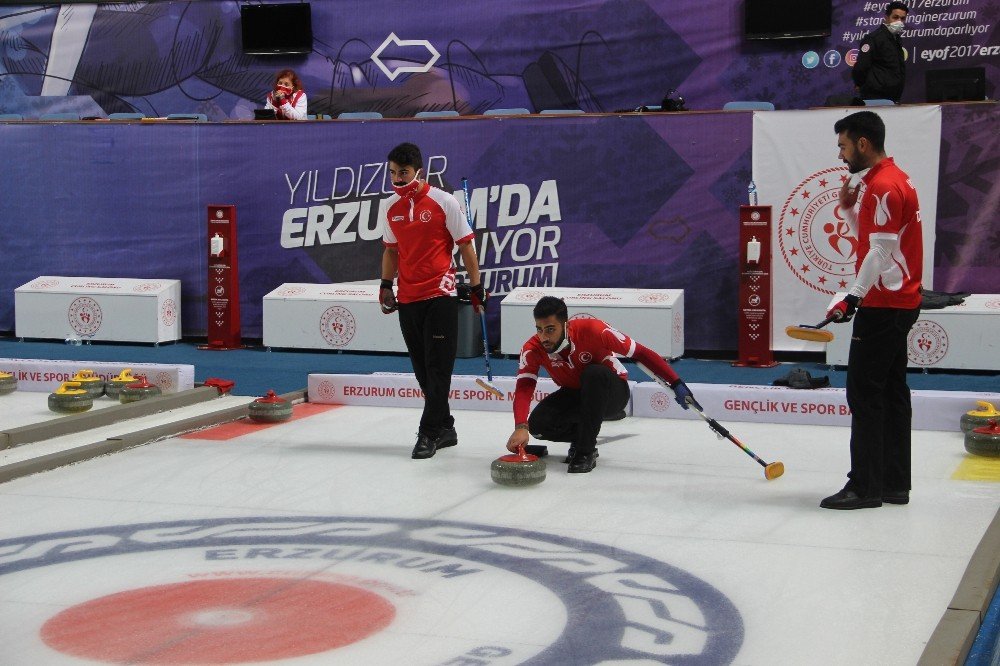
column 798, row 173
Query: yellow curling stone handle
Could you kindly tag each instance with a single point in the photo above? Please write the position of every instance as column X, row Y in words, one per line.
column 70, row 388
column 986, row 410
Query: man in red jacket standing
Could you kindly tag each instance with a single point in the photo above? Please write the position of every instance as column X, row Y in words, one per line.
column 579, row 355
column 885, row 303
column 423, row 224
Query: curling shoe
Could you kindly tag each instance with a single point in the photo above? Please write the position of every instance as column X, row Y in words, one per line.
column 448, row 437
column 426, row 446
column 617, row 416
column 896, row 497
column 582, row 463
column 848, row 499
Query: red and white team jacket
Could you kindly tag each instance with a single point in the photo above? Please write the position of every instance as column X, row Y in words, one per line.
column 590, row 341
column 890, row 254
column 292, row 108
column 425, row 228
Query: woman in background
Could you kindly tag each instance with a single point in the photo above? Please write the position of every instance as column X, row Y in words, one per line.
column 288, row 99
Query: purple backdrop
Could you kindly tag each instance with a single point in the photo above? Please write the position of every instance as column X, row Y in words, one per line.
column 597, row 55
column 604, row 200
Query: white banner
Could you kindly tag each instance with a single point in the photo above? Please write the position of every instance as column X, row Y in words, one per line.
column 46, row 376
column 391, row 389
column 932, row 410
column 797, row 173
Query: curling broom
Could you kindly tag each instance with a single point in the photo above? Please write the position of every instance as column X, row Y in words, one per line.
column 771, row 470
column 488, row 384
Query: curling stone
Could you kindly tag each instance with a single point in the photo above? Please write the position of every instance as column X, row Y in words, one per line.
column 140, row 389
column 270, row 409
column 518, row 469
column 977, row 418
column 8, row 383
column 984, row 441
column 90, row 382
column 70, row 398
column 114, row 386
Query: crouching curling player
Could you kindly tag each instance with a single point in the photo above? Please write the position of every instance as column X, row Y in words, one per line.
column 579, row 355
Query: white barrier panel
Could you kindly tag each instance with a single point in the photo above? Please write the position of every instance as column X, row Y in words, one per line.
column 110, row 309
column 958, row 337
column 389, row 389
column 44, row 375
column 329, row 316
column 652, row 317
column 932, row 410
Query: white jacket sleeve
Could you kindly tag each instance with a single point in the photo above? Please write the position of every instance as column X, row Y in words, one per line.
column 297, row 112
column 878, row 260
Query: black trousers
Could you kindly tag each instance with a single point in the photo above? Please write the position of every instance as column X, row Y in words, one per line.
column 879, row 399
column 575, row 415
column 430, row 331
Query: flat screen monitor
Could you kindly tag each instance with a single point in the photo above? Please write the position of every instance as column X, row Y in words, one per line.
column 787, row 19
column 966, row 84
column 276, row 28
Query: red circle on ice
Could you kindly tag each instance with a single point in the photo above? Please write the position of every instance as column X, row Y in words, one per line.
column 228, row 621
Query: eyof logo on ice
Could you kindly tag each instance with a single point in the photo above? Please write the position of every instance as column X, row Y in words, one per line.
column 501, row 583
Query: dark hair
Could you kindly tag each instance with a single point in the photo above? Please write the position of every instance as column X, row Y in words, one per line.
column 896, row 5
column 866, row 124
column 406, row 154
column 290, row 73
column 550, row 305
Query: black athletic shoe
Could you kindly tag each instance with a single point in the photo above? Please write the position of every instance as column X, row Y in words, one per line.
column 618, row 416
column 448, row 437
column 424, row 448
column 848, row 499
column 896, row 496
column 583, row 463
column 572, row 452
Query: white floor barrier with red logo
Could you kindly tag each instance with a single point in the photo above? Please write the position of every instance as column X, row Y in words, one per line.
column 655, row 316
column 329, row 316
column 98, row 308
column 392, row 389
column 932, row 410
column 958, row 337
column 45, row 375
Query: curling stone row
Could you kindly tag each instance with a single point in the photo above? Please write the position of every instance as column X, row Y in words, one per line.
column 8, row 383
column 984, row 441
column 977, row 418
column 72, row 397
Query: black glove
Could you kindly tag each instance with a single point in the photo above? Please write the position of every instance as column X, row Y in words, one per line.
column 683, row 395
column 479, row 297
column 386, row 298
column 845, row 309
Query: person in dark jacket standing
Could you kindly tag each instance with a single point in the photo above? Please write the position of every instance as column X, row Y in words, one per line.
column 880, row 72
